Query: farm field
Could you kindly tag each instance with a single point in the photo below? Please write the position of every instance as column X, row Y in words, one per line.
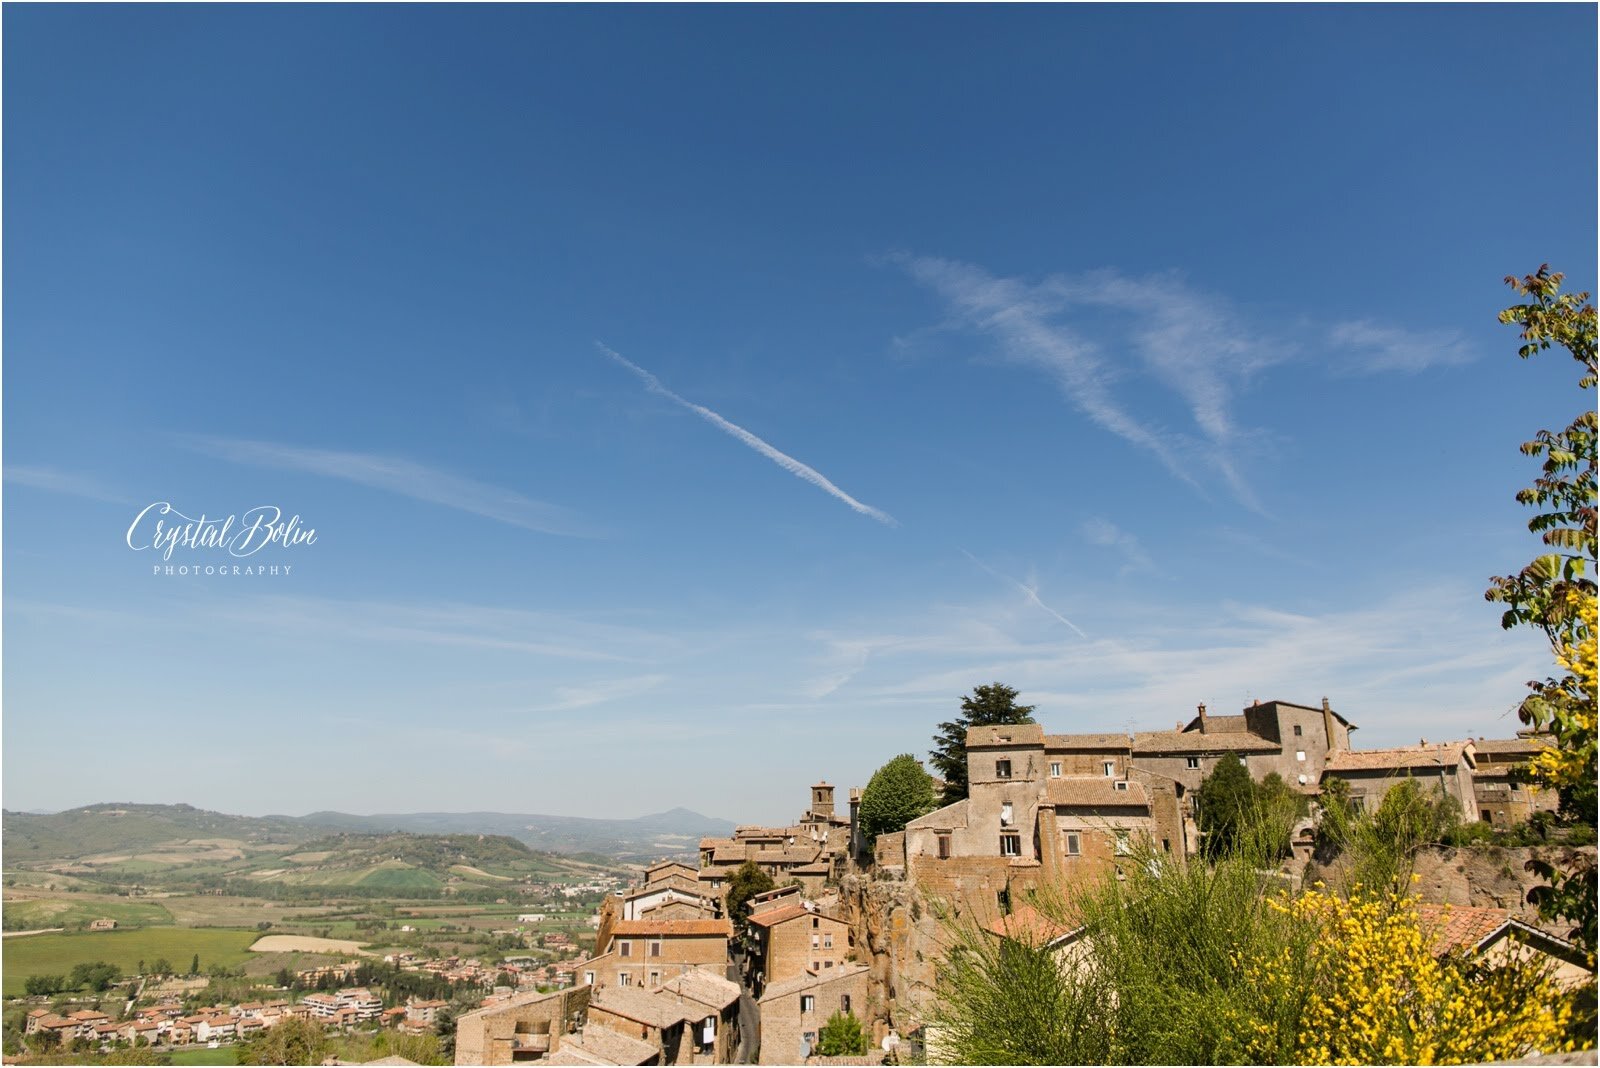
column 56, row 954
column 222, row 1055
column 24, row 911
column 304, row 944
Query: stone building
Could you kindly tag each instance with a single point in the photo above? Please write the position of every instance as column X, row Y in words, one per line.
column 813, row 850
column 522, row 1030
column 647, row 953
column 793, row 1012
column 1499, row 797
column 793, row 939
column 1372, row 772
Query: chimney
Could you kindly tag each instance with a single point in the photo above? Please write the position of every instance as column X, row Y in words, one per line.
column 1327, row 725
column 1202, row 719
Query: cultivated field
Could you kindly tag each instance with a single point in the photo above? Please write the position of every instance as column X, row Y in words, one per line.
column 55, row 954
column 304, row 944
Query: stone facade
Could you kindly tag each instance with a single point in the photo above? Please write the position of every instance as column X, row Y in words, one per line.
column 1371, row 774
column 794, row 939
column 793, row 1012
column 521, row 1030
column 1499, row 797
column 647, row 953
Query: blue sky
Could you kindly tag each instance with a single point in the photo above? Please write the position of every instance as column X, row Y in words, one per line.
column 694, row 402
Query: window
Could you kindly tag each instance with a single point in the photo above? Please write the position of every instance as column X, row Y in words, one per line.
column 624, row 949
column 655, row 978
column 1055, row 769
column 1074, row 845
column 588, row 977
column 844, row 1003
column 1010, row 845
column 1005, row 814
column 1002, row 769
column 944, row 847
column 827, row 941
column 1166, row 845
column 815, row 923
column 1300, row 754
column 1123, row 848
column 624, row 979
column 1002, row 898
column 655, row 948
column 1297, row 731
column 808, row 1003
column 827, row 964
column 1110, row 768
column 816, row 941
column 1194, row 762
column 1488, row 817
column 1119, row 785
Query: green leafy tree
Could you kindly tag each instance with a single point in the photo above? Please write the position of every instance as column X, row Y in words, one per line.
column 194, row 965
column 746, row 881
column 842, row 1036
column 1380, row 847
column 897, row 793
column 161, row 966
column 1556, row 593
column 1227, row 797
column 95, row 975
column 292, row 1041
column 44, row 985
column 987, row 706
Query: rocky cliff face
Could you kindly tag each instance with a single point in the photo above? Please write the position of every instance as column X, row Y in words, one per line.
column 899, row 934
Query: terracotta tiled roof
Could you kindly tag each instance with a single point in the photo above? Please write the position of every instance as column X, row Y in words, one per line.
column 704, row 986
column 1459, row 926
column 1219, row 725
column 1181, row 742
column 1088, row 792
column 773, row 917
column 811, row 979
column 612, row 1047
column 1028, row 924
column 1009, row 734
column 1511, row 747
column 645, row 1006
column 1432, row 756
column 1087, row 741
column 649, row 928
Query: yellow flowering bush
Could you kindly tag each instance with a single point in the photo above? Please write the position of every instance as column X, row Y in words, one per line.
column 1373, row 992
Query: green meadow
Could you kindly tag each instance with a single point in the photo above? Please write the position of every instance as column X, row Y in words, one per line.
column 56, row 954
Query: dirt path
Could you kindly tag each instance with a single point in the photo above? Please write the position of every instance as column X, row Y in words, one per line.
column 21, row 934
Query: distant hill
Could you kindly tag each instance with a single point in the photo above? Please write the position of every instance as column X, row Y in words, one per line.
column 128, row 829
column 119, row 827
column 673, row 833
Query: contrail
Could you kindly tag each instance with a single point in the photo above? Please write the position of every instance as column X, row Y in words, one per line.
column 1032, row 594
column 783, row 460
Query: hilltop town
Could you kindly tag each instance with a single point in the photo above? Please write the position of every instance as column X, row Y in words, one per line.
column 685, row 972
column 752, row 948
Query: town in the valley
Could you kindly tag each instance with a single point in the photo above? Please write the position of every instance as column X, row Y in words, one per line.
column 681, row 963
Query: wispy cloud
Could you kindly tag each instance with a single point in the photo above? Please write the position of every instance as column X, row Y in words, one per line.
column 1379, row 348
column 1031, row 592
column 407, row 478
column 601, row 692
column 783, row 460
column 1186, row 340
column 1018, row 315
column 1101, row 531
column 57, row 481
column 1425, row 660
